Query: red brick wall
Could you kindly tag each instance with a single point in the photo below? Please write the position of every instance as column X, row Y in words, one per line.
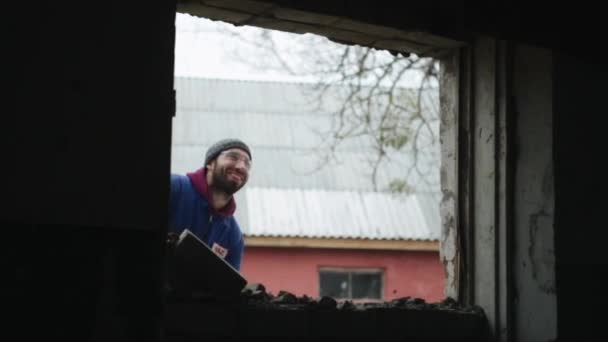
column 407, row 273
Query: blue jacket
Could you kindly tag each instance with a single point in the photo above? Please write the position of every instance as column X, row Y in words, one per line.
column 190, row 209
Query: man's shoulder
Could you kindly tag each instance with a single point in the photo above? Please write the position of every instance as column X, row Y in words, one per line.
column 179, row 177
column 182, row 187
column 180, row 181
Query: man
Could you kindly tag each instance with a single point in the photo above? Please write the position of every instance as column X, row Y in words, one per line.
column 203, row 202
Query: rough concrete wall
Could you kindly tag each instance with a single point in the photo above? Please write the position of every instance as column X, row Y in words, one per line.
column 512, row 237
column 87, row 140
column 484, row 176
column 85, row 146
column 505, row 194
column 450, row 246
column 472, row 177
column 535, row 305
column 580, row 122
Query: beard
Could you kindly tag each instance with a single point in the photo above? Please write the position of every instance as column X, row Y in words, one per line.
column 222, row 183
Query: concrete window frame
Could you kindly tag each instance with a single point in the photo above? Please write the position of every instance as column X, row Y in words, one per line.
column 269, row 15
column 477, row 142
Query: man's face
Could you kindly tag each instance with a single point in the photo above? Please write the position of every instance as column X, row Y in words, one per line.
column 230, row 170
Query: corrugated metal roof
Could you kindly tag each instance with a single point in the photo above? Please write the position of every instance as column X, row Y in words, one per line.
column 334, row 214
column 281, row 124
column 249, row 96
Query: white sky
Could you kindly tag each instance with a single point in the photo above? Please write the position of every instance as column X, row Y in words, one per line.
column 202, row 51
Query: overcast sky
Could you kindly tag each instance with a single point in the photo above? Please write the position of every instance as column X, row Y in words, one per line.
column 201, row 50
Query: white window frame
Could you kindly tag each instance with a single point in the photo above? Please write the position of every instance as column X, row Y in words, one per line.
column 355, row 270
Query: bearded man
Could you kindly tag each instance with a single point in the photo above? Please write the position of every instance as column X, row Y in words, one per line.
column 202, row 201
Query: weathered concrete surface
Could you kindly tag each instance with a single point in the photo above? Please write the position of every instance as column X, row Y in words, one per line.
column 535, row 307
column 450, row 247
column 511, row 220
column 484, row 179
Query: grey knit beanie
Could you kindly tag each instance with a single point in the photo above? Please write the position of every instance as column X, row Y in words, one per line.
column 224, row 145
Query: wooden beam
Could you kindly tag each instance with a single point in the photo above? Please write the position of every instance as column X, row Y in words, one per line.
column 402, row 245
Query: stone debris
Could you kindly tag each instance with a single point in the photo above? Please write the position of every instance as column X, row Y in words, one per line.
column 256, row 294
column 257, row 312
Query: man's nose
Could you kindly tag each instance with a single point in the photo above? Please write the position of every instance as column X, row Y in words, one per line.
column 242, row 164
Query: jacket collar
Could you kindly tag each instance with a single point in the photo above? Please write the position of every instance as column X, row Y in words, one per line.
column 199, row 181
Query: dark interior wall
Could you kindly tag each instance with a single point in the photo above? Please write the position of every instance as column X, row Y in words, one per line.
column 85, row 147
column 85, row 142
column 528, row 21
column 79, row 283
column 86, row 131
column 580, row 131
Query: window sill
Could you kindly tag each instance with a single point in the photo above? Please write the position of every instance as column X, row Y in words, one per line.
column 196, row 319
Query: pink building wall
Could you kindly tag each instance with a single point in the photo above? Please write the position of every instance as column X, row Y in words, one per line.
column 407, row 273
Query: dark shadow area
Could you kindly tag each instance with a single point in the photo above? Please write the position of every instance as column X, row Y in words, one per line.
column 581, row 202
column 82, row 283
column 85, row 148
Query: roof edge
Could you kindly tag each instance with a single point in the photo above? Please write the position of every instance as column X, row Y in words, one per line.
column 341, row 243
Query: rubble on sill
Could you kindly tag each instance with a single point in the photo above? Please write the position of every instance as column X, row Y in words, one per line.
column 256, row 312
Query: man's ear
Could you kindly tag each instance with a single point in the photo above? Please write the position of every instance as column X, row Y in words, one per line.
column 211, row 165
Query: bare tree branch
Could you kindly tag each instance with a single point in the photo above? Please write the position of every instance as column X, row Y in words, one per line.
column 367, row 85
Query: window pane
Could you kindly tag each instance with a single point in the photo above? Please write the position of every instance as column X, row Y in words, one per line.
column 366, row 285
column 334, row 284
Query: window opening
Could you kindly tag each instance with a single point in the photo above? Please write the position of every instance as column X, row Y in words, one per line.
column 345, row 151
